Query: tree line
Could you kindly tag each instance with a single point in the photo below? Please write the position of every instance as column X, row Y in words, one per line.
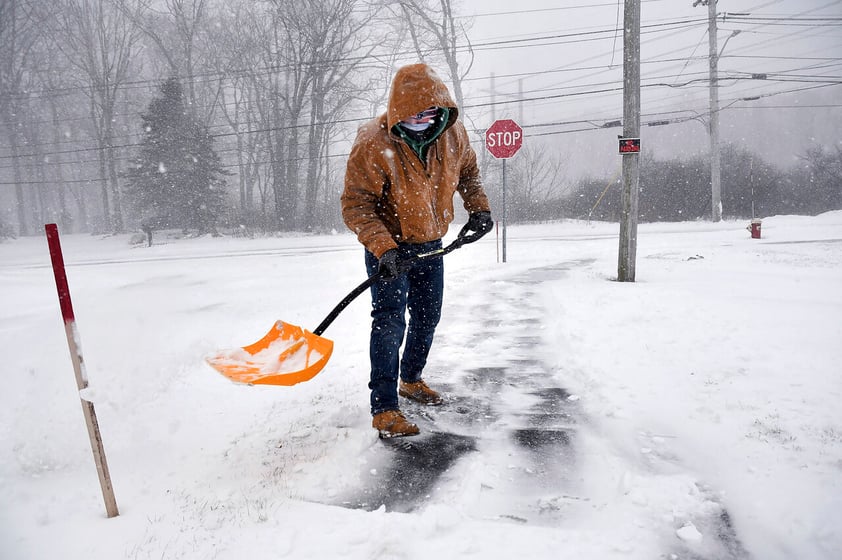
column 539, row 186
column 265, row 89
column 202, row 114
column 678, row 189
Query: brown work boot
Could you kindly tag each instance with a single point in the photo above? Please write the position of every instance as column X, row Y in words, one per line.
column 419, row 392
column 392, row 423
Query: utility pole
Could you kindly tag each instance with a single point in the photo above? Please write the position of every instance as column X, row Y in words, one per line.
column 493, row 91
column 493, row 100
column 713, row 60
column 631, row 129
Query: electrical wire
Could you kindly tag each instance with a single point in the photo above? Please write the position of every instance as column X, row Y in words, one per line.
column 593, row 127
column 782, row 76
column 597, row 92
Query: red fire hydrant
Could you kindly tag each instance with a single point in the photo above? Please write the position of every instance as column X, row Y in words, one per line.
column 754, row 228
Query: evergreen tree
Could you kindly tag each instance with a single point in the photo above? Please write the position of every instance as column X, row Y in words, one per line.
column 177, row 180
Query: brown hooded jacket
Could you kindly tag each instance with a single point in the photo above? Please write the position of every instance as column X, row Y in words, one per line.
column 390, row 194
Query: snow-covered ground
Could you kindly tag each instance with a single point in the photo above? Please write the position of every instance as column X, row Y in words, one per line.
column 705, row 399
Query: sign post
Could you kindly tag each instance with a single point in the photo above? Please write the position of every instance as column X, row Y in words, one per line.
column 503, row 139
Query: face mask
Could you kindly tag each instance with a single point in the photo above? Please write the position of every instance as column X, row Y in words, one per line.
column 416, row 127
column 420, row 121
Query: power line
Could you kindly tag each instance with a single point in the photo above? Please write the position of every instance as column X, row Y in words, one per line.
column 210, row 76
column 801, row 106
column 759, row 25
column 64, row 120
column 276, row 68
column 705, row 58
column 778, row 41
column 781, row 76
column 273, row 69
column 234, row 73
column 519, row 43
column 603, row 68
column 562, row 123
column 543, row 10
column 784, row 20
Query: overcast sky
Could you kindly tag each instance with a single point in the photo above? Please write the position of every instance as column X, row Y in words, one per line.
column 797, row 43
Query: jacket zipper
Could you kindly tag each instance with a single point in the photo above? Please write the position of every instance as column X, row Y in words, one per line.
column 402, row 146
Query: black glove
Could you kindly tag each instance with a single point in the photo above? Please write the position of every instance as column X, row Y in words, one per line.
column 388, row 265
column 480, row 222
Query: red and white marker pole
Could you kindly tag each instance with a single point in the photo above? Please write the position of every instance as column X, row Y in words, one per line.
column 79, row 369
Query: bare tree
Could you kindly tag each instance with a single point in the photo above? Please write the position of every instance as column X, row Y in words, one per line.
column 295, row 50
column 242, row 85
column 335, row 27
column 438, row 37
column 19, row 33
column 54, row 108
column 99, row 39
column 537, row 180
column 175, row 33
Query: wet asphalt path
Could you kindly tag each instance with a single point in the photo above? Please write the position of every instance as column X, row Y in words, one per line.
column 511, row 415
column 537, row 437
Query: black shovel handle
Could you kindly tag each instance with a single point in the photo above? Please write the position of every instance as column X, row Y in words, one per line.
column 463, row 238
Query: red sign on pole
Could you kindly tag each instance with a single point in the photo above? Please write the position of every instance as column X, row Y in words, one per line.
column 629, row 145
column 504, row 138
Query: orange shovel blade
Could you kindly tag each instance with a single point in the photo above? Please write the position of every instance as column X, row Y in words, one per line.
column 285, row 356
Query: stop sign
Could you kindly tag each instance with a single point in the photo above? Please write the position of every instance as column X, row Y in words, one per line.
column 503, row 138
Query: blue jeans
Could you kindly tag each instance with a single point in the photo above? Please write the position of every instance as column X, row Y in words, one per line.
column 420, row 292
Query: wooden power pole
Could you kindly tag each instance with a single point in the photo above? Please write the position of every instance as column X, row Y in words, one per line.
column 631, row 130
column 713, row 124
column 715, row 173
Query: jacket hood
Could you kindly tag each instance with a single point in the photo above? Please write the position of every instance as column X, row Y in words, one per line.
column 415, row 88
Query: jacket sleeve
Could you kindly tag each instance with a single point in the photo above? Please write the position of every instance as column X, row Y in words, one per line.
column 365, row 182
column 470, row 185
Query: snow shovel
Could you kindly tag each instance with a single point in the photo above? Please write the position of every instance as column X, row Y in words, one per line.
column 288, row 354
